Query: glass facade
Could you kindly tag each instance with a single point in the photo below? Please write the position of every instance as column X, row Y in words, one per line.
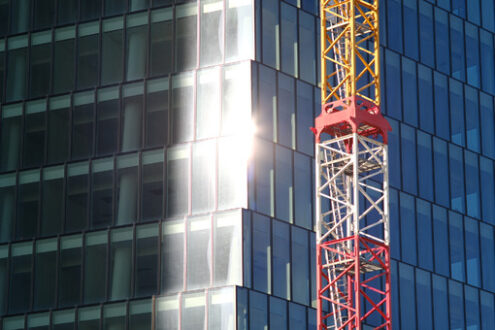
column 156, row 166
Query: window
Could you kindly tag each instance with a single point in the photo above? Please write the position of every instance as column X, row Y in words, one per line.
column 208, row 106
column 258, row 311
column 52, row 215
column 112, row 55
column 394, row 12
column 289, row 43
column 409, row 88
column 34, row 134
column 302, row 190
column 137, row 45
column 39, row 321
column 90, row 9
column 297, row 317
column 102, row 194
column 456, row 233
column 426, row 112
column 411, row 29
column 114, row 7
column 161, row 42
column 185, row 37
column 132, row 117
column 304, row 118
column 58, row 129
column 307, row 51
column 278, row 313
column 281, row 260
column 284, row 186
column 456, row 113
column 487, row 61
column 69, row 276
column 145, row 280
column 286, row 111
column 266, row 112
column 440, row 302
column 63, row 320
column 211, row 32
column 157, row 109
column 472, row 251
column 487, row 256
column 232, row 170
column 440, row 237
column 472, row 119
column 424, row 225
column 140, row 314
column 487, row 306
column 89, row 318
column 408, row 228
column 239, row 30
column 472, row 184
column 456, row 305
column 20, row 16
column 487, row 125
column 28, row 204
column 441, row 106
column 63, row 79
column 77, row 197
column 152, row 185
column 409, row 170
column 172, row 256
column 167, row 313
column 270, row 37
column 107, row 121
column 456, row 178
column 67, row 11
column 193, row 312
column 423, row 300
column 221, row 309
column 393, row 82
column 457, row 48
column 300, row 266
column 83, row 125
column 17, row 68
column 441, row 166
column 487, row 190
column 472, row 56
column 425, row 166
column 182, row 108
column 237, row 90
column 459, row 8
column 20, row 277
column 264, row 173
column 261, row 254
column 394, row 154
column 120, row 274
column 426, row 36
column 442, row 41
column 227, row 248
column 11, row 130
column 203, row 176
column 88, row 54
column 40, row 66
column 95, row 267
column 177, row 181
column 7, row 200
column 406, row 281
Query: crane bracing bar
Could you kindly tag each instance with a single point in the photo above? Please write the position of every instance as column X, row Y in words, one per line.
column 352, row 213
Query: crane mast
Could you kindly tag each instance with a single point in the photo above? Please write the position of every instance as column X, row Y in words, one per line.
column 351, row 176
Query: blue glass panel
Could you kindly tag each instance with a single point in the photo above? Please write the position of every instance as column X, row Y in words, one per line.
column 440, row 303
column 487, row 126
column 394, row 12
column 459, row 8
column 302, row 190
column 281, row 260
column 423, row 299
column 408, row 228
column 472, row 252
column 441, row 172
column 411, row 28
column 300, row 266
column 457, row 113
column 487, row 256
column 472, row 184
column 472, row 308
column 440, row 237
column 393, row 83
column 487, row 308
column 304, row 118
column 284, row 186
column 472, row 119
column 407, row 309
column 278, row 313
column 288, row 39
column 261, row 253
column 442, row 40
column 311, row 318
column 473, row 11
column 265, row 116
column 426, row 113
column 456, row 178
column 408, row 148
column 426, row 33
column 395, row 290
column 457, row 48
column 425, row 166
column 441, row 106
column 394, row 224
column 472, row 54
column 297, row 317
column 307, row 47
column 258, row 315
column 487, row 58
column 424, row 224
column 444, row 4
column 270, row 31
column 488, row 14
column 487, row 190
column 264, row 177
column 383, row 23
column 394, row 154
column 410, row 91
column 286, row 111
column 310, row 5
column 456, row 235
column 242, row 306
column 456, row 305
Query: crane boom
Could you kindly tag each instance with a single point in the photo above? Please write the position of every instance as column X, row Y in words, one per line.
column 351, row 176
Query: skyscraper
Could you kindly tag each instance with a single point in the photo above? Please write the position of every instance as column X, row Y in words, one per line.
column 156, row 166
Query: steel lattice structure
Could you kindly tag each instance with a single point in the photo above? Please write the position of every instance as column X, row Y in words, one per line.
column 352, row 215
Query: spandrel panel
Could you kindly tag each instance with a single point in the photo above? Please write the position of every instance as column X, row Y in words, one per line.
column 239, row 43
column 39, row 321
column 211, row 32
column 227, row 268
column 77, row 197
column 45, row 274
column 198, row 252
column 172, row 256
column 120, row 272
column 221, row 309
column 52, row 215
column 95, row 267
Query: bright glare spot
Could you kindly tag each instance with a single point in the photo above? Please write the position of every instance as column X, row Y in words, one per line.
column 243, row 139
